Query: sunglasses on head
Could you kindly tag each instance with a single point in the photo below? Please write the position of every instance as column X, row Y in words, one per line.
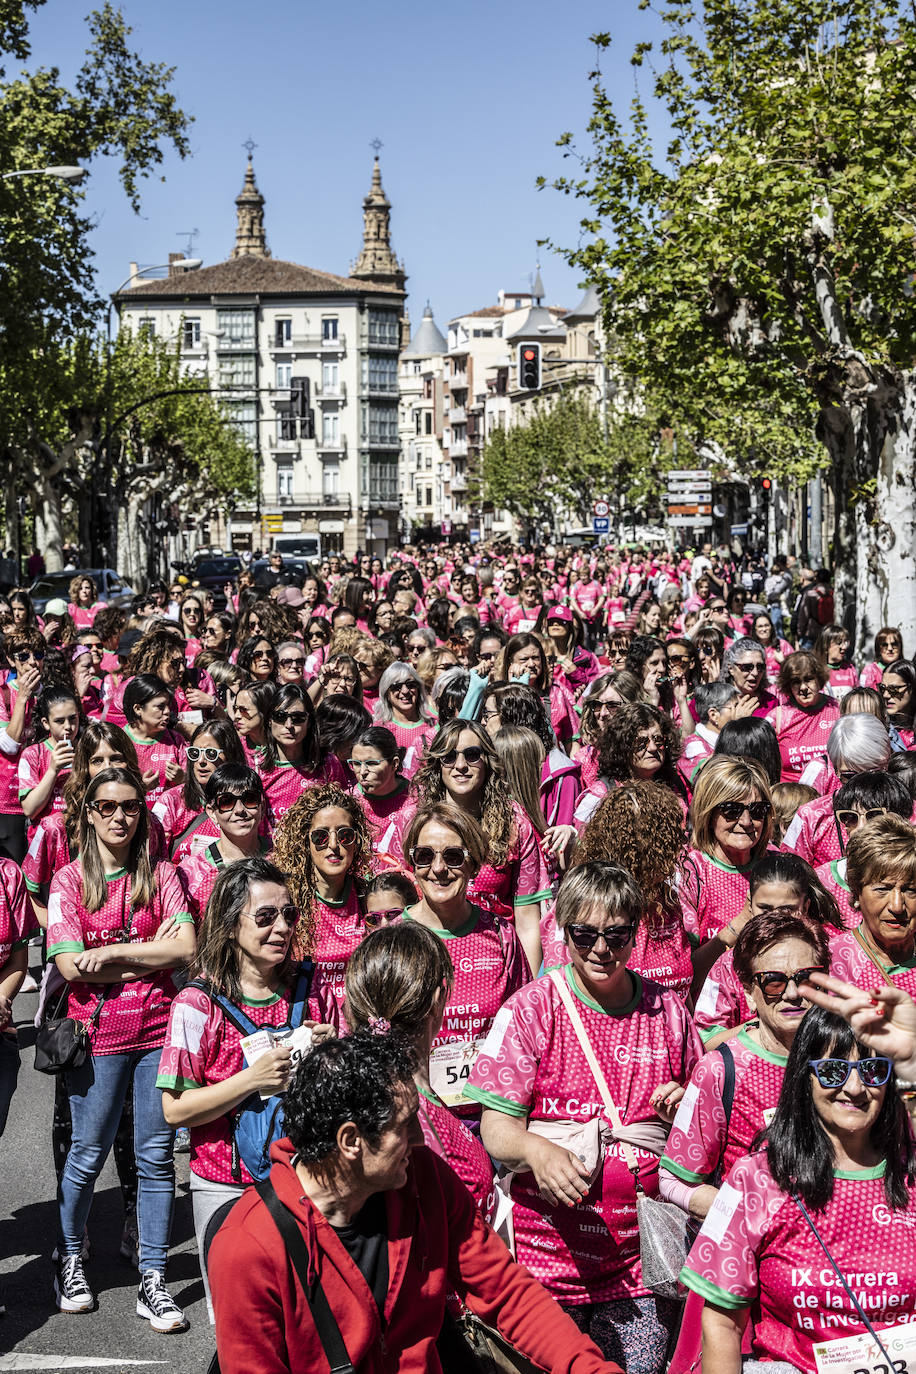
column 21, row 655
column 850, row 819
column 423, row 856
column 586, row 937
column 269, row 915
column 195, row 753
column 321, row 838
column 734, row 810
column 228, row 801
column 472, row 755
column 833, row 1073
column 106, row 809
column 773, row 984
column 289, row 717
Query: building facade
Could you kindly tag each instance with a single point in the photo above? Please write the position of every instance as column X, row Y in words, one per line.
column 425, row 510
column 307, row 363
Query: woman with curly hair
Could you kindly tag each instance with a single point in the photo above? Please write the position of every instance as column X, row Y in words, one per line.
column 597, row 708
column 161, row 653
column 640, row 827
column 645, row 745
column 83, row 600
column 463, row 769
column 324, row 847
column 257, row 657
column 269, row 619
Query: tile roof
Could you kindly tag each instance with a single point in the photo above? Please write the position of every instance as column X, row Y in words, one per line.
column 251, row 275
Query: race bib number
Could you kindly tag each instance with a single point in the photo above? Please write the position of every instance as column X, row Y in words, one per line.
column 863, row 1355
column 191, row 717
column 450, row 1068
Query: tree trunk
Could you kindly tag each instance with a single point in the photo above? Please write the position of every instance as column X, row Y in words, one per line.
column 52, row 540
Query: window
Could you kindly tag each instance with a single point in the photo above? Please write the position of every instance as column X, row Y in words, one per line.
column 284, row 481
column 429, row 496
column 190, row 333
column 384, row 327
column 329, row 327
column 380, row 373
column 427, row 388
column 236, row 328
column 146, row 326
column 429, row 422
column 518, row 303
column 284, row 376
column 330, row 429
column 418, row 421
column 383, row 481
column 236, row 372
column 330, row 379
column 383, row 424
column 429, row 461
column 243, row 414
column 330, row 480
column 284, row 332
column 286, row 425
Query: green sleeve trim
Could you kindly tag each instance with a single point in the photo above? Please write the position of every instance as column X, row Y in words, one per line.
column 24, row 792
column 66, row 947
column 176, row 1084
column 32, row 887
column 498, row 1104
column 706, row 1033
column 184, row 918
column 680, row 1172
column 19, row 944
column 532, row 898
column 711, row 1291
column 693, row 939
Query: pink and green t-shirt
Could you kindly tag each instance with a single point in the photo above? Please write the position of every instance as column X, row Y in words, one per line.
column 134, row 1015
column 17, row 919
column 850, row 960
column 531, row 1066
column 756, row 1251
column 34, row 762
column 703, row 1143
column 711, row 893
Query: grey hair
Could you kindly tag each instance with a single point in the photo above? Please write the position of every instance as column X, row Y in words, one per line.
column 456, row 677
column 734, row 652
column 713, row 696
column 396, row 673
column 859, row 742
column 427, row 635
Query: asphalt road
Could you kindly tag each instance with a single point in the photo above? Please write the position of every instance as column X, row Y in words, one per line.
column 33, row 1334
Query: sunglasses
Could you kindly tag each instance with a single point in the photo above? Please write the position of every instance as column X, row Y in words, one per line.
column 292, row 663
column 262, row 653
column 289, row 717
column 269, row 915
column 586, row 937
column 754, row 666
column 226, row 802
column 321, row 838
column 833, row 1073
column 22, row 655
column 195, row 754
column 734, row 810
column 374, row 919
column 773, row 985
column 423, row 856
column 106, row 809
column 472, row 756
column 893, row 691
column 850, row 819
column 707, row 650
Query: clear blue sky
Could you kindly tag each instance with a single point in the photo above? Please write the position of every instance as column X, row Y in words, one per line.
column 467, row 98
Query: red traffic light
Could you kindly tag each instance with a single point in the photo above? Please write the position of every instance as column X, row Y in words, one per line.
column 529, row 355
column 766, row 483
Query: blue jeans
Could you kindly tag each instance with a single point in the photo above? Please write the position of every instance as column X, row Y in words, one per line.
column 9, row 1070
column 97, row 1091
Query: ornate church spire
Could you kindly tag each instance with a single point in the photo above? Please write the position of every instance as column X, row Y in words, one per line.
column 377, row 260
column 250, row 238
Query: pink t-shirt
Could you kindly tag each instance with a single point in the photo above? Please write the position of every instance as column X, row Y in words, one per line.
column 201, row 1048
column 833, row 876
column 9, row 773
column 702, row 1143
column 451, row 1140
column 532, row 1066
column 722, row 1002
column 413, row 739
column 585, row 597
column 802, row 735
column 756, row 1250
column 158, row 753
column 490, row 965
column 698, row 747
column 842, row 680
column 661, row 951
column 285, row 783
column 849, row 960
column 339, row 928
column 34, row 762
column 383, row 815
column 83, row 616
column 17, row 919
column 711, row 893
column 134, row 1015
column 814, row 832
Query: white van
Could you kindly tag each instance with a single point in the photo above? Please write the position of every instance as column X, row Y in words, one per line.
column 297, row 545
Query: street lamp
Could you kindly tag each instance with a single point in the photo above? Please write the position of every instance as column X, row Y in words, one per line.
column 72, row 174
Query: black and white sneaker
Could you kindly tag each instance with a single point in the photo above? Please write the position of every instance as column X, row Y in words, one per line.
column 71, row 1288
column 156, row 1304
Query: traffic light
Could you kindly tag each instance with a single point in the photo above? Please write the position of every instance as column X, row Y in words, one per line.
column 766, row 487
column 529, row 367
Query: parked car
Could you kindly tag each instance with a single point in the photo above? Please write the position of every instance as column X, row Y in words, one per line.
column 213, row 571
column 295, row 567
column 111, row 586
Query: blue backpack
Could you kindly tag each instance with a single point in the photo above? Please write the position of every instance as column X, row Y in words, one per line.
column 257, row 1122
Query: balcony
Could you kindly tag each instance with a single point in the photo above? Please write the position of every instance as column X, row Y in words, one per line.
column 459, row 482
column 332, row 446
column 457, row 416
column 458, row 381
column 382, row 393
column 236, row 343
column 286, row 445
column 375, row 341
column 312, row 500
column 458, row 448
column 307, row 343
column 332, row 392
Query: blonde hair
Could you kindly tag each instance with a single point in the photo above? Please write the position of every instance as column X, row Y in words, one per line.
column 885, row 848
column 787, row 798
column 522, row 756
column 724, row 779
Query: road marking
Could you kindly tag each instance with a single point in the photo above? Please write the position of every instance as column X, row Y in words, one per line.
column 22, row 1361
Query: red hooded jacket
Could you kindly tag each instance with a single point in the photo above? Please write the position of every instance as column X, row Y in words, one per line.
column 437, row 1240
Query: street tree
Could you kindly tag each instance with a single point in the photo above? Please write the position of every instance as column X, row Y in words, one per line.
column 119, row 106
column 757, row 261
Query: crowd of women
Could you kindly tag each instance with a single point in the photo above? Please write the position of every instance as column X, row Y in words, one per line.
column 585, row 829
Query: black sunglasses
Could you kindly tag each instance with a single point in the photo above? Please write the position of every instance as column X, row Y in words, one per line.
column 267, row 916
column 21, row 655
column 773, row 985
column 106, row 809
column 586, row 937
column 423, row 856
column 472, row 755
column 734, row 810
column 227, row 801
column 289, row 717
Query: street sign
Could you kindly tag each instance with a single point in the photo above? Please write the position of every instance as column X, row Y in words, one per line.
column 474, row 536
column 601, row 509
column 739, row 529
column 601, row 524
column 691, row 521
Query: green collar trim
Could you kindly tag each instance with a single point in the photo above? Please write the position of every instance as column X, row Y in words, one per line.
column 857, row 1175
column 625, row 1010
column 338, row 901
column 467, row 929
column 760, row 1052
column 113, row 877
